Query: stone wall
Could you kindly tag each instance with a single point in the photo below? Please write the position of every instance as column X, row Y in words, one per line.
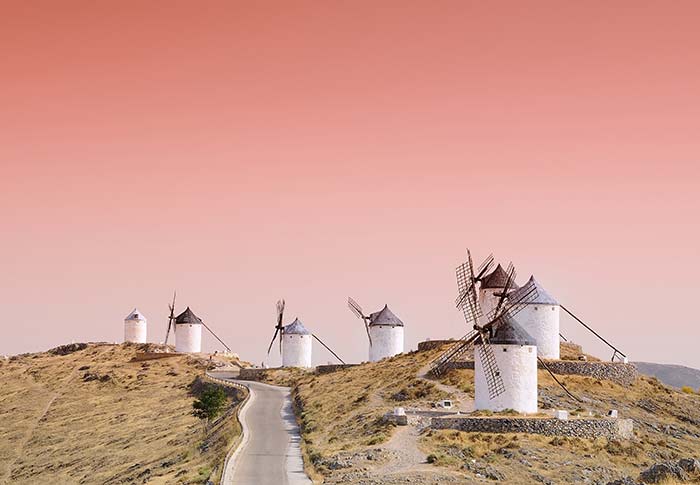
column 326, row 369
column 142, row 356
column 623, row 374
column 252, row 374
column 433, row 344
column 580, row 428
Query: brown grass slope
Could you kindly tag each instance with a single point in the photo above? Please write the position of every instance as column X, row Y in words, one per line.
column 92, row 416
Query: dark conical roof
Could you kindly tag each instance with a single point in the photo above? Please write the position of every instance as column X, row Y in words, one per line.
column 541, row 298
column 385, row 317
column 296, row 328
column 188, row 316
column 508, row 332
column 496, row 279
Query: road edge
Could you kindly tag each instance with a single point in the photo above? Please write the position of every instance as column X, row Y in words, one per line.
column 239, row 444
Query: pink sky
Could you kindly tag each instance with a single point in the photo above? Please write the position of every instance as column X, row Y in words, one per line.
column 241, row 152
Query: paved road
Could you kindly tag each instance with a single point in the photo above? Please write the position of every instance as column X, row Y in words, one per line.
column 269, row 453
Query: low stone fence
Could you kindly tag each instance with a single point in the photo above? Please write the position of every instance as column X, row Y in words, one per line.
column 461, row 364
column 623, row 374
column 618, row 372
column 143, row 356
column 327, row 369
column 580, row 428
column 252, row 374
column 433, row 344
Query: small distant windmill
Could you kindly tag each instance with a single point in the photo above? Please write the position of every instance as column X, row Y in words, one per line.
column 483, row 326
column 297, row 351
column 173, row 321
column 385, row 331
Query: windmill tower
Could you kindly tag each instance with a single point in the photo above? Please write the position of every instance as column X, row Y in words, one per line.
column 495, row 376
column 491, row 286
column 384, row 331
column 135, row 327
column 540, row 319
column 188, row 332
column 296, row 345
column 295, row 341
column 515, row 357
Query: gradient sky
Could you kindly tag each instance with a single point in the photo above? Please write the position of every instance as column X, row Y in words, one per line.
column 241, row 152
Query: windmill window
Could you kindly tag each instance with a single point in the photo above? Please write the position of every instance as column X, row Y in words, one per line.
column 505, row 349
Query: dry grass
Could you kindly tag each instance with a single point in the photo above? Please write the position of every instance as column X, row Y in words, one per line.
column 667, row 427
column 131, row 422
column 342, row 411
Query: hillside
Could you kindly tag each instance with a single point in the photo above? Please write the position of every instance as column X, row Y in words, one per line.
column 671, row 375
column 91, row 415
column 346, row 441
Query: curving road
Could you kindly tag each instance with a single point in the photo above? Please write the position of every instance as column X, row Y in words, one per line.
column 270, row 452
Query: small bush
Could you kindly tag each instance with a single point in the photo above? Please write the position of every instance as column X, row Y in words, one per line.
column 687, row 390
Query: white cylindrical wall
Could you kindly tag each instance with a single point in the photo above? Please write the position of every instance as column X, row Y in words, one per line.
column 188, row 338
column 135, row 331
column 518, row 367
column 387, row 340
column 296, row 350
column 487, row 302
column 542, row 323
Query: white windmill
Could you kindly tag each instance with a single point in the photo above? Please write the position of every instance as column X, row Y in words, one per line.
column 384, row 331
column 135, row 327
column 188, row 331
column 295, row 341
column 505, row 357
column 540, row 319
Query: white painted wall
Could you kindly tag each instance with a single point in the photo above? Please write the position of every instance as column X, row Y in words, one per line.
column 135, row 331
column 487, row 302
column 542, row 323
column 296, row 350
column 188, row 337
column 518, row 367
column 387, row 341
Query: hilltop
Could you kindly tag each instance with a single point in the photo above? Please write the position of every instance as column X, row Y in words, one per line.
column 346, row 441
column 671, row 375
column 88, row 413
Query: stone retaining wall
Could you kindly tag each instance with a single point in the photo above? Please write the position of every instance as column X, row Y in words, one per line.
column 252, row 374
column 433, row 344
column 623, row 374
column 326, row 369
column 581, row 428
column 143, row 356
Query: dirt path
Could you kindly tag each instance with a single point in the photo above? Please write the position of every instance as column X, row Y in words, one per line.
column 404, row 447
column 466, row 402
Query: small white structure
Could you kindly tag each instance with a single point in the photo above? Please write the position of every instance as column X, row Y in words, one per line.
column 135, row 328
column 561, row 414
column 540, row 318
column 491, row 287
column 516, row 357
column 188, row 332
column 386, row 332
column 296, row 345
